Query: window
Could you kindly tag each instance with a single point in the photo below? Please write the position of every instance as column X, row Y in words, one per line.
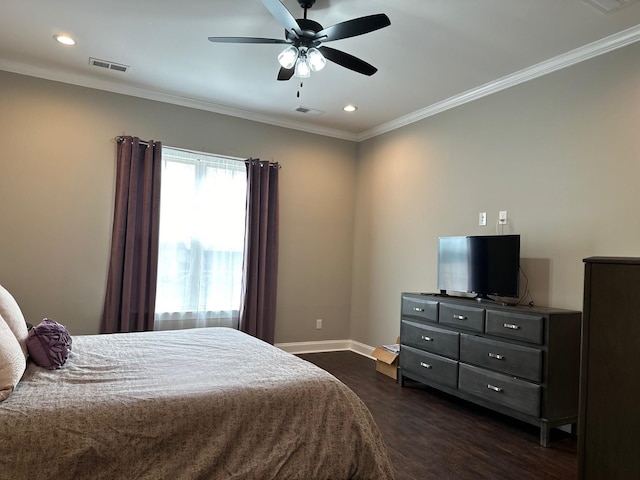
column 202, row 223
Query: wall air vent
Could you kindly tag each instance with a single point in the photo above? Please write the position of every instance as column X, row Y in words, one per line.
column 95, row 62
column 609, row 5
column 308, row 111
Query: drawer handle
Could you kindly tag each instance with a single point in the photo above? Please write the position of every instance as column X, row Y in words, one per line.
column 497, row 356
column 418, row 309
column 494, row 388
column 427, row 339
column 511, row 326
column 425, row 365
column 459, row 317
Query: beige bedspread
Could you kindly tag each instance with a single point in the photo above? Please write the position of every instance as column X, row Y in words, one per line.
column 210, row 403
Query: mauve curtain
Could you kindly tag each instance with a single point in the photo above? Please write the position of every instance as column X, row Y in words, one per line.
column 260, row 266
column 131, row 285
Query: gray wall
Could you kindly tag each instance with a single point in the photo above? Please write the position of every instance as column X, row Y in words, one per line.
column 57, row 189
column 359, row 223
column 559, row 153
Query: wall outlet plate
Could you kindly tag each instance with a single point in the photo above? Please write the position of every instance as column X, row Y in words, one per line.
column 482, row 219
column 502, row 217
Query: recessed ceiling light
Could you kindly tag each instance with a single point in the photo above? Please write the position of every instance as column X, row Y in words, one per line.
column 64, row 39
column 350, row 108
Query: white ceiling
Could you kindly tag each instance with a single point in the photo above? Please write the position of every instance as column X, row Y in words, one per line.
column 436, row 53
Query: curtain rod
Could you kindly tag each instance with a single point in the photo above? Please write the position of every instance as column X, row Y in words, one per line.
column 271, row 164
column 121, row 139
column 235, row 159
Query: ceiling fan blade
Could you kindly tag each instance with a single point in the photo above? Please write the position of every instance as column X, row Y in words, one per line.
column 282, row 15
column 245, row 40
column 347, row 61
column 352, row 28
column 285, row 73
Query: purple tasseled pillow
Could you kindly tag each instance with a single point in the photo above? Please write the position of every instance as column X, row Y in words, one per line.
column 49, row 344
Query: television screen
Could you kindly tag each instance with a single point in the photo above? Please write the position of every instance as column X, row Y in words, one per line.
column 482, row 264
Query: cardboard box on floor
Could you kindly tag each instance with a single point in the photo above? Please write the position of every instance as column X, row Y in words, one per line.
column 386, row 361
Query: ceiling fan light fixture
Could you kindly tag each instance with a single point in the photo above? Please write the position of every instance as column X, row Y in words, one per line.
column 316, row 59
column 288, row 57
column 302, row 67
column 306, row 36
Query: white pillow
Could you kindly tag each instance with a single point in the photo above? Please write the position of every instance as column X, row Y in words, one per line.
column 12, row 361
column 12, row 315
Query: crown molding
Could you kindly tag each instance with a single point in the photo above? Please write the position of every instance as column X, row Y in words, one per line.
column 600, row 47
column 586, row 52
column 105, row 85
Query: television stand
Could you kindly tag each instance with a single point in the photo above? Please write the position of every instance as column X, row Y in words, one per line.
column 487, row 299
column 482, row 298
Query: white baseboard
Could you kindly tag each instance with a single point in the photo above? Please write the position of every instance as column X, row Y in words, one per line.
column 326, row 346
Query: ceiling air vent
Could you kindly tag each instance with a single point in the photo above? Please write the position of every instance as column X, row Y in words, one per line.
column 308, row 111
column 609, row 5
column 108, row 65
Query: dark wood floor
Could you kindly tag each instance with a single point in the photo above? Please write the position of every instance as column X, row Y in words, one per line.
column 431, row 435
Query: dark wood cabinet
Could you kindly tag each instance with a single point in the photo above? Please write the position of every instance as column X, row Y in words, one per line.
column 609, row 413
column 520, row 361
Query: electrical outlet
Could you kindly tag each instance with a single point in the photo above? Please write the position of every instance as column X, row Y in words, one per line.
column 502, row 217
column 318, row 324
column 482, row 219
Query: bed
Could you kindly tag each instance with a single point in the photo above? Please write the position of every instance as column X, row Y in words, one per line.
column 207, row 403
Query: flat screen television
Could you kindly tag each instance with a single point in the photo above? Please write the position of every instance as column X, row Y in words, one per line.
column 482, row 264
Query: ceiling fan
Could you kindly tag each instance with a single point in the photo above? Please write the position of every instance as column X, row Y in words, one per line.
column 305, row 38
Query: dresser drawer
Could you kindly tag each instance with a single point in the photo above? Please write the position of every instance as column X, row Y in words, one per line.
column 505, row 357
column 431, row 339
column 414, row 306
column 460, row 316
column 430, row 368
column 501, row 389
column 523, row 327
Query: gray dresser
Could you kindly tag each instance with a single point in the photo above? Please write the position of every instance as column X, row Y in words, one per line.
column 521, row 361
